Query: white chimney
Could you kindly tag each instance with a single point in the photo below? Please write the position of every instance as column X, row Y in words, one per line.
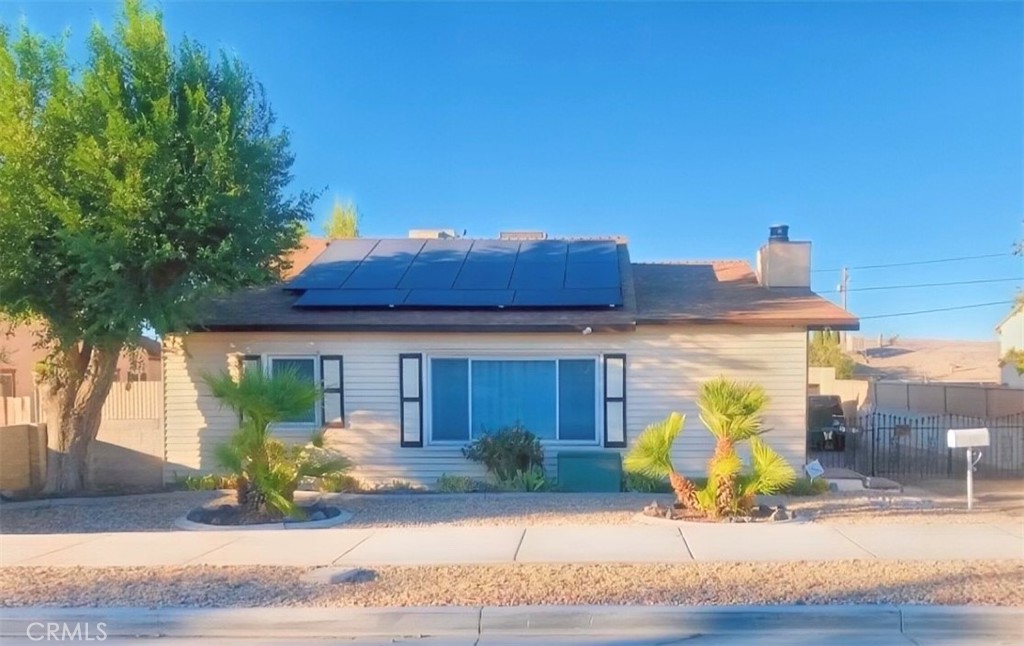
column 782, row 262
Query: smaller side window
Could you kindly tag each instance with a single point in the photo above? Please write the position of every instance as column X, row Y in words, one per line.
column 304, row 368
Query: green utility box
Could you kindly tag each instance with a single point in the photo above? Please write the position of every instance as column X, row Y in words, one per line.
column 589, row 471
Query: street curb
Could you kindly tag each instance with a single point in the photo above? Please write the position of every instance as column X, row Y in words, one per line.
column 525, row 620
column 250, row 622
column 599, row 620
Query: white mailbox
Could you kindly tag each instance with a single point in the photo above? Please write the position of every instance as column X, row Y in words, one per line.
column 965, row 438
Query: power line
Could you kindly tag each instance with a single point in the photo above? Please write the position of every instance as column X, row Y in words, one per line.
column 957, row 282
column 920, row 262
column 940, row 309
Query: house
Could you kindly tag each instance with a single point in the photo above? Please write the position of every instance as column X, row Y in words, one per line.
column 420, row 345
column 1011, row 338
column 19, row 356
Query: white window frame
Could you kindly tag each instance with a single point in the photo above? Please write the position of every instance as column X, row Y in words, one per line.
column 428, row 404
column 267, row 360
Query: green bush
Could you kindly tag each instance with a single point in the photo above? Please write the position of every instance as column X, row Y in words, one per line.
column 455, row 484
column 339, row 483
column 396, row 486
column 806, row 487
column 209, row 482
column 640, row 483
column 507, row 452
column 528, row 481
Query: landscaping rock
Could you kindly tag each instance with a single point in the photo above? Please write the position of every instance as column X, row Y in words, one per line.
column 318, row 515
column 780, row 514
column 334, row 575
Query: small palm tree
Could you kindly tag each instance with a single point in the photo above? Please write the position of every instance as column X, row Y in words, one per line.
column 268, row 472
column 651, row 456
column 731, row 411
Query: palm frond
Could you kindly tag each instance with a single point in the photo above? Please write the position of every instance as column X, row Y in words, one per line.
column 731, row 409
column 651, row 454
column 770, row 472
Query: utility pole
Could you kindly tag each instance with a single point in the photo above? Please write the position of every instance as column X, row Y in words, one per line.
column 844, row 280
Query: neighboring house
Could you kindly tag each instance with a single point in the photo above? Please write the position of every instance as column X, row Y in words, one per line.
column 20, row 355
column 420, row 345
column 1011, row 337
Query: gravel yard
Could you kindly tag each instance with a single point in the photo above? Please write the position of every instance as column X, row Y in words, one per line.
column 837, row 582
column 156, row 512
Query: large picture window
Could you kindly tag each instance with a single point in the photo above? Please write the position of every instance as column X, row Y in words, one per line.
column 304, row 368
column 555, row 399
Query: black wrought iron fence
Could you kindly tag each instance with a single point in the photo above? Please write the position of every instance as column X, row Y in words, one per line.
column 913, row 447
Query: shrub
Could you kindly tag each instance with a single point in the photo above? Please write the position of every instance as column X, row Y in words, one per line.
column 339, row 483
column 396, row 486
column 806, row 487
column 209, row 482
column 455, row 484
column 267, row 472
column 507, row 452
column 640, row 483
column 531, row 480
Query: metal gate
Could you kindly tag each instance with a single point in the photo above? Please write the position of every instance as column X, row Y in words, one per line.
column 913, row 447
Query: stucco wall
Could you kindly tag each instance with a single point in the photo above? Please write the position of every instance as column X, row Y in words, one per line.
column 665, row 367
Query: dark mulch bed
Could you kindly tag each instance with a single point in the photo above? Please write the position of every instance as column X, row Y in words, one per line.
column 235, row 515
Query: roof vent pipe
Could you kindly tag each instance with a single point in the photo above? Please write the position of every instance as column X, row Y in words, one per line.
column 779, row 232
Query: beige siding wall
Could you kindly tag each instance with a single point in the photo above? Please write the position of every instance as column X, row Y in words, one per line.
column 665, row 367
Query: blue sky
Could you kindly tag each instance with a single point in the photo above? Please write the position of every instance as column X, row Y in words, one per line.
column 884, row 133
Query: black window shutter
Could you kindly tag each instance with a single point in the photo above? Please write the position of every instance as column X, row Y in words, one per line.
column 332, row 383
column 615, row 400
column 410, row 383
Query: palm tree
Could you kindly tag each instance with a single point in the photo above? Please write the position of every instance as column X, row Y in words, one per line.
column 651, row 456
column 266, row 471
column 731, row 411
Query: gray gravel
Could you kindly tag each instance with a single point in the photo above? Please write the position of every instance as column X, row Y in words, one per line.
column 836, row 582
column 156, row 512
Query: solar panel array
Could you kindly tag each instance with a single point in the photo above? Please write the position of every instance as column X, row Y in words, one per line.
column 460, row 273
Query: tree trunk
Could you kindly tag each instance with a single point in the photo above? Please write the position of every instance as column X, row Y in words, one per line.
column 78, row 382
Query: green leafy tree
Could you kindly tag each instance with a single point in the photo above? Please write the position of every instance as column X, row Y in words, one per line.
column 130, row 186
column 825, row 351
column 344, row 221
column 267, row 471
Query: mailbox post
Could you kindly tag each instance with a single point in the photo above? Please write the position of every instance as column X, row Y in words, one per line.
column 970, row 439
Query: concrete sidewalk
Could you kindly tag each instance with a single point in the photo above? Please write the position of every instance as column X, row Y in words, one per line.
column 440, row 545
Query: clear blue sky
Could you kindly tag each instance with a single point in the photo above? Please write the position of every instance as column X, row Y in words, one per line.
column 882, row 132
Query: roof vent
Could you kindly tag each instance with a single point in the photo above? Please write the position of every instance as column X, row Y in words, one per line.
column 522, row 235
column 779, row 232
column 432, row 234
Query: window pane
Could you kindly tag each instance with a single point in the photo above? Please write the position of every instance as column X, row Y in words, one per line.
column 616, row 367
column 305, row 370
column 449, row 399
column 616, row 431
column 577, row 400
column 509, row 392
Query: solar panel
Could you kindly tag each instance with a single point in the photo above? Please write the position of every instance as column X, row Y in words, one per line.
column 591, row 275
column 488, row 265
column 335, row 264
column 384, row 267
column 459, row 298
column 352, row 298
column 544, row 251
column 567, row 297
column 462, row 273
column 545, row 275
column 593, row 251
